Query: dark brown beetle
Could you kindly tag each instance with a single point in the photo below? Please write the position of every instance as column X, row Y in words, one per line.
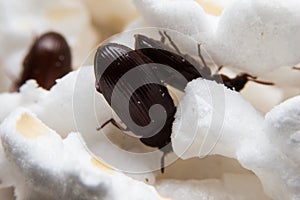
column 48, row 59
column 119, row 60
column 112, row 61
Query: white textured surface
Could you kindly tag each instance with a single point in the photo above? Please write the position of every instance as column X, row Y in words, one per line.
column 272, row 159
column 54, row 168
column 205, row 119
column 185, row 16
column 283, row 127
column 258, row 36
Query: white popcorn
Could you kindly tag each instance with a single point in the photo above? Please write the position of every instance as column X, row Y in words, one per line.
column 254, row 36
column 23, row 21
column 44, row 144
column 54, row 168
column 258, row 36
column 185, row 16
column 283, row 128
column 205, row 115
column 73, row 105
column 213, row 120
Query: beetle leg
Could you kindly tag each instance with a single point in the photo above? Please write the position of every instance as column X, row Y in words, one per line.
column 163, row 38
column 200, row 55
column 162, row 163
column 254, row 79
column 220, row 68
column 172, row 43
column 114, row 123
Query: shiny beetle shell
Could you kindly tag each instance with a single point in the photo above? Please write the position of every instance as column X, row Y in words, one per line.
column 112, row 61
column 48, row 59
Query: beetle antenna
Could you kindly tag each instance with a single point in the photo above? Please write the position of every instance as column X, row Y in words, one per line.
column 163, row 38
column 200, row 55
column 261, row 82
column 172, row 43
column 254, row 79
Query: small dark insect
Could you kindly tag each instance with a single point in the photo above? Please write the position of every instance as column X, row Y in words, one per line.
column 119, row 60
column 48, row 59
column 112, row 61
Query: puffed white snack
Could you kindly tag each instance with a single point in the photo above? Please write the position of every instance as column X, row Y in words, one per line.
column 72, row 105
column 251, row 35
column 283, row 127
column 205, row 115
column 258, row 36
column 214, row 120
column 56, row 168
column 185, row 16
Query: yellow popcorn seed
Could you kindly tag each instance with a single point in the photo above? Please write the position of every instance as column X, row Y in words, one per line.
column 210, row 7
column 30, row 127
column 162, row 197
column 61, row 14
column 97, row 163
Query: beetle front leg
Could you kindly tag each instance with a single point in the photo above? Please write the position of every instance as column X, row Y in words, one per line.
column 200, row 55
column 114, row 123
column 163, row 38
column 172, row 43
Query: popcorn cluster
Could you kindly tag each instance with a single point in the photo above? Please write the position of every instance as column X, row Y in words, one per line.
column 222, row 128
column 47, row 136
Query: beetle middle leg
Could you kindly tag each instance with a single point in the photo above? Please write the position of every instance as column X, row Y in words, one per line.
column 200, row 55
column 163, row 38
column 172, row 43
column 179, row 52
column 114, row 123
